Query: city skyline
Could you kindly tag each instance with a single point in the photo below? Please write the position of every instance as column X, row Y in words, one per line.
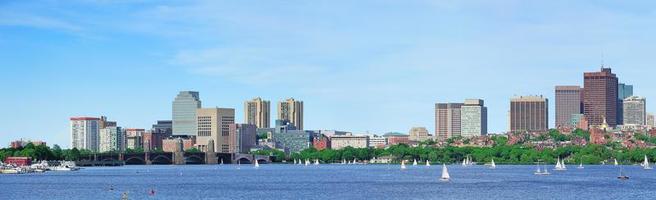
column 362, row 76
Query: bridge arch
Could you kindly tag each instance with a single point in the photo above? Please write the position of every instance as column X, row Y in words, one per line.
column 161, row 160
column 243, row 160
column 135, row 161
column 194, row 159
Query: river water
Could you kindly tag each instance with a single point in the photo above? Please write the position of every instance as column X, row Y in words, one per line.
column 278, row 181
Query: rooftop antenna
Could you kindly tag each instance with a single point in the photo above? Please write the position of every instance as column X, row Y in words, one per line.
column 602, row 59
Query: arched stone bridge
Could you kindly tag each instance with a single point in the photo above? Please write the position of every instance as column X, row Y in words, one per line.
column 168, row 158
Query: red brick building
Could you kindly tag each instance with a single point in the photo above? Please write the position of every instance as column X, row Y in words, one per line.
column 597, row 136
column 398, row 139
column 321, row 142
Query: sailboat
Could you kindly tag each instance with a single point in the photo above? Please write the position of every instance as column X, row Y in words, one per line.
column 645, row 164
column 316, row 162
column 622, row 176
column 355, row 161
column 344, row 162
column 414, row 163
column 238, row 164
column 307, row 162
column 539, row 171
column 464, row 162
column 615, row 161
column 257, row 164
column 403, row 164
column 427, row 163
column 492, row 165
column 445, row 173
column 580, row 166
column 221, row 161
column 560, row 166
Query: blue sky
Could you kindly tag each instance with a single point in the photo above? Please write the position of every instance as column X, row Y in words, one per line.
column 360, row 66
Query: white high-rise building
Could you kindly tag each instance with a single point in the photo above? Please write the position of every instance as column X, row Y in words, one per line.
column 84, row 132
column 634, row 111
column 473, row 118
column 184, row 113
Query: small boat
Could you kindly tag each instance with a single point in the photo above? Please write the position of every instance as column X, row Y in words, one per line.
column 403, row 164
column 343, row 161
column 622, row 176
column 615, row 161
column 445, row 173
column 221, row 162
column 580, row 166
column 257, row 164
column 560, row 166
column 316, row 162
column 645, row 164
column 414, row 163
column 492, row 165
column 427, row 163
column 307, row 162
column 540, row 172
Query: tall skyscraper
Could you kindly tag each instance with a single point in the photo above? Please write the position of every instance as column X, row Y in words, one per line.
column 600, row 97
column 257, row 112
column 184, row 113
column 635, row 111
column 568, row 103
column 623, row 91
column 291, row 110
column 84, row 133
column 111, row 139
column 529, row 113
column 447, row 120
column 214, row 125
column 473, row 116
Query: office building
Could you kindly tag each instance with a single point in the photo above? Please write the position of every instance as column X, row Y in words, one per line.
column 529, row 113
column 214, row 124
column 377, row 141
column 349, row 140
column 321, row 142
column 623, row 91
column 292, row 111
column 473, row 118
column 286, row 137
column 84, row 132
column 111, row 138
column 447, row 120
column 600, row 97
column 418, row 134
column 152, row 139
column 184, row 113
column 257, row 112
column 243, row 137
column 635, row 111
column 568, row 103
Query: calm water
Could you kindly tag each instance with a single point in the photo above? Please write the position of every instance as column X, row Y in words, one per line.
column 330, row 182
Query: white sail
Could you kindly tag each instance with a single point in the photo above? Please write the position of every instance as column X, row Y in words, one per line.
column 344, row 162
column 427, row 163
column 445, row 173
column 645, row 164
column 580, row 165
column 464, row 162
column 493, row 165
column 316, row 162
column 559, row 165
column 307, row 162
column 403, row 164
column 615, row 161
column 257, row 164
column 221, row 161
column 414, row 163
